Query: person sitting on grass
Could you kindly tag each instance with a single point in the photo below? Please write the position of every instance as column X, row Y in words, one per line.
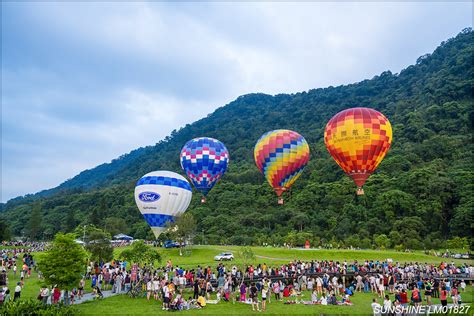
column 177, row 303
column 345, row 300
column 314, row 296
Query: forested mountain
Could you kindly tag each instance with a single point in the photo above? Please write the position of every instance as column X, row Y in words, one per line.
column 420, row 195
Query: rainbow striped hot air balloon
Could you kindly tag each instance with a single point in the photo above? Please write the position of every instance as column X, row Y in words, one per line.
column 281, row 156
column 358, row 139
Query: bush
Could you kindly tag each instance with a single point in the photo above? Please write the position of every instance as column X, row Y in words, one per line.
column 399, row 247
column 34, row 307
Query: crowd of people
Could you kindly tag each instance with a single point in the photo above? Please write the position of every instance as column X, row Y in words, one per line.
column 11, row 248
column 321, row 282
column 329, row 282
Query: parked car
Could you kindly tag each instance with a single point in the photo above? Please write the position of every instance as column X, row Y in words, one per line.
column 224, row 256
column 171, row 244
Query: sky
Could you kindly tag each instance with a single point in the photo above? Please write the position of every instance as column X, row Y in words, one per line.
column 83, row 83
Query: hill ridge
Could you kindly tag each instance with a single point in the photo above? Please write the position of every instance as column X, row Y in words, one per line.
column 429, row 104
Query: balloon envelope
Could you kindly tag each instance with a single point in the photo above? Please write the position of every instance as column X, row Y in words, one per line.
column 358, row 139
column 204, row 160
column 161, row 196
column 281, row 156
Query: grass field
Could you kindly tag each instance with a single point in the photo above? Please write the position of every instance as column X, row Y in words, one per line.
column 123, row 305
column 203, row 255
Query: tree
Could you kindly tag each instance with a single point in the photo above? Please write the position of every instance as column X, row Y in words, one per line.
column 4, row 231
column 94, row 218
column 382, row 241
column 116, row 225
column 424, row 184
column 85, row 232
column 246, row 256
column 99, row 246
column 64, row 263
column 140, row 253
column 70, row 221
column 34, row 225
column 182, row 229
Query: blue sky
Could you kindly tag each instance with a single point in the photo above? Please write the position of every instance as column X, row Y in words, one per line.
column 83, row 83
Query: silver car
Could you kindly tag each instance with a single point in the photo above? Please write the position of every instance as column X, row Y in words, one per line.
column 224, row 256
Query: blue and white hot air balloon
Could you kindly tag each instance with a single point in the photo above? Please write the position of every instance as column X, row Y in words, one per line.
column 161, row 196
column 204, row 160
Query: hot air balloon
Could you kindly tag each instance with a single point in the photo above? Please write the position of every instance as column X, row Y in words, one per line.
column 281, row 156
column 358, row 140
column 204, row 160
column 161, row 196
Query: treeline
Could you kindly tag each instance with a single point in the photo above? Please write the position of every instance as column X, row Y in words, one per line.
column 420, row 196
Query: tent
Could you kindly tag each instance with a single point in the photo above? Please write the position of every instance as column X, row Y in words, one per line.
column 122, row 237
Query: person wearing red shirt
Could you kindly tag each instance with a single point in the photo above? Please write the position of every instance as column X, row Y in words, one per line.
column 443, row 296
column 403, row 298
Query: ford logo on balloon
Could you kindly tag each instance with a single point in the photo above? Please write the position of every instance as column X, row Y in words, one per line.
column 148, row 197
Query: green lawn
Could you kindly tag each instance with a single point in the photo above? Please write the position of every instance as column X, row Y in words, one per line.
column 203, row 255
column 123, row 305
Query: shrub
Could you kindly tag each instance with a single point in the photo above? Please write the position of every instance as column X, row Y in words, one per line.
column 34, row 307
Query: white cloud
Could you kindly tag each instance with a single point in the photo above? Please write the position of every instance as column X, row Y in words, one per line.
column 82, row 82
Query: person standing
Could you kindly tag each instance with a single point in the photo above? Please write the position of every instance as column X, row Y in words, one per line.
column 118, row 283
column 428, row 293
column 80, row 291
column 44, row 294
column 376, row 307
column 17, row 293
column 443, row 296
column 156, row 288
column 276, row 290
column 359, row 283
column 254, row 297
column 387, row 305
column 149, row 289
column 243, row 291
column 56, row 294
column 166, row 296
column 265, row 293
column 196, row 289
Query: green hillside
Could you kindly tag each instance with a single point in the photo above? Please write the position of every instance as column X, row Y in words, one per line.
column 420, row 195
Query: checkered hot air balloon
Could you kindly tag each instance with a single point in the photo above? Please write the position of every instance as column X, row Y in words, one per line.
column 281, row 156
column 204, row 160
column 161, row 196
column 358, row 139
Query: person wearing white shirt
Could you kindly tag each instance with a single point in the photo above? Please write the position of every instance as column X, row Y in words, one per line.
column 376, row 308
column 17, row 293
column 156, row 288
column 149, row 289
column 387, row 305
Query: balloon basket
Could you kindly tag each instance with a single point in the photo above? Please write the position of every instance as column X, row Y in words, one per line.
column 360, row 191
column 203, row 200
column 280, row 201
